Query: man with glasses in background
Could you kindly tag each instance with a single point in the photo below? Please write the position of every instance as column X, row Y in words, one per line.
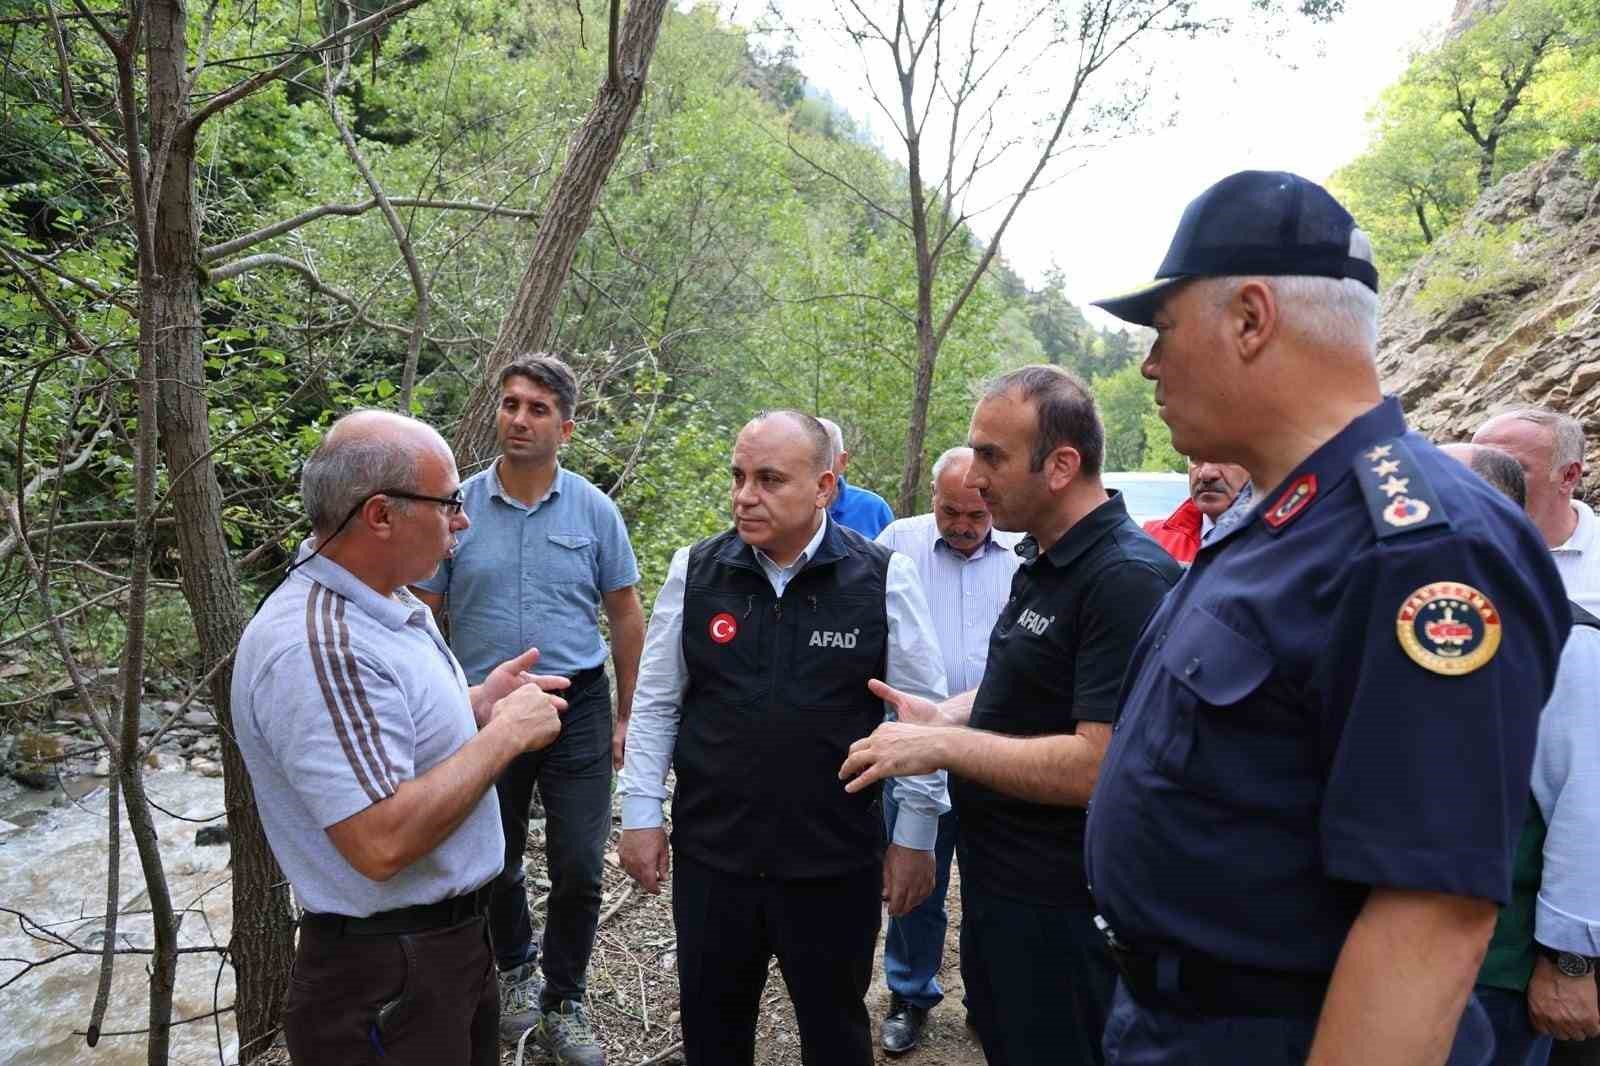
column 547, row 552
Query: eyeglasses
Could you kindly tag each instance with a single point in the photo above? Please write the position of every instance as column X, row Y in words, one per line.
column 452, row 504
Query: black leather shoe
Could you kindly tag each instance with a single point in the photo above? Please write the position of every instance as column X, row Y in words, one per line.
column 902, row 1028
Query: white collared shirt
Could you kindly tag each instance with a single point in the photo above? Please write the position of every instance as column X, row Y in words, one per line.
column 1578, row 559
column 913, row 664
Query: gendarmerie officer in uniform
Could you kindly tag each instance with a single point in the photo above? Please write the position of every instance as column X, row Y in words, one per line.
column 1303, row 826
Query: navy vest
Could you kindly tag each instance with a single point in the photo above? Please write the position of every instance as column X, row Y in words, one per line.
column 777, row 694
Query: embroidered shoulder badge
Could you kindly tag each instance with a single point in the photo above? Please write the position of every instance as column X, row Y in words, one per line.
column 1448, row 628
column 1398, row 496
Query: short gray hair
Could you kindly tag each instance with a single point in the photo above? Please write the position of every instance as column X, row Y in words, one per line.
column 1328, row 312
column 1500, row 470
column 835, row 438
column 347, row 468
column 1566, row 431
column 941, row 464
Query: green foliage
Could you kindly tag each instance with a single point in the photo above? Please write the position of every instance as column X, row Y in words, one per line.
column 1515, row 85
column 1479, row 265
column 1159, row 454
column 1127, row 407
column 720, row 275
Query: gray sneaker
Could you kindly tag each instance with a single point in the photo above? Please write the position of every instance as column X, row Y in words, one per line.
column 520, row 989
column 567, row 1037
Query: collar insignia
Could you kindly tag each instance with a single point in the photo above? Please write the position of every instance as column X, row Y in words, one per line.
column 1294, row 500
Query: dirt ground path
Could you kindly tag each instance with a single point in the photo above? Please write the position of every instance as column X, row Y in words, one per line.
column 633, row 988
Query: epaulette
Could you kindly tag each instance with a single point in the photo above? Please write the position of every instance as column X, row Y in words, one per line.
column 1399, row 498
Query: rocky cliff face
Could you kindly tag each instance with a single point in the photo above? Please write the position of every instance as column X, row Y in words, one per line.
column 1505, row 311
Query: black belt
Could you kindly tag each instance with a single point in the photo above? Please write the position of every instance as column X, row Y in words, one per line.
column 415, row 919
column 583, row 679
column 1199, row 984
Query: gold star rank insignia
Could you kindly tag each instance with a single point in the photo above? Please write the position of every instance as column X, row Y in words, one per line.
column 1448, row 628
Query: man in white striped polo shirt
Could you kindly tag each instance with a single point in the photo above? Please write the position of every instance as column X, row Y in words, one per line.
column 373, row 761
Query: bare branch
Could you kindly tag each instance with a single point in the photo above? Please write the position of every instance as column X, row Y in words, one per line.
column 613, row 69
column 402, row 238
column 239, row 90
column 80, row 684
column 278, row 229
column 69, row 106
column 869, row 201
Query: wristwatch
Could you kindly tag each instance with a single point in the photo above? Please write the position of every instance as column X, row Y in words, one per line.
column 1570, row 963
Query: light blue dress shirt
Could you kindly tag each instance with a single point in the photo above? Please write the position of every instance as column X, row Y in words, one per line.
column 524, row 577
column 966, row 593
column 913, row 665
column 1566, row 785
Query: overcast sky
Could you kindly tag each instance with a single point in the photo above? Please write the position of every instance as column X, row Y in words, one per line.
column 1297, row 105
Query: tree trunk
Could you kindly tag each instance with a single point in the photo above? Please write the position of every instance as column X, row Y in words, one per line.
column 1486, row 156
column 262, row 947
column 927, row 336
column 1422, row 220
column 526, row 328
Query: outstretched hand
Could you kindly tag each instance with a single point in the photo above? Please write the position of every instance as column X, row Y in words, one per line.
column 509, row 676
column 894, row 749
column 907, row 708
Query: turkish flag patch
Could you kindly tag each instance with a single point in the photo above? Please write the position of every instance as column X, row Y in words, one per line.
column 723, row 627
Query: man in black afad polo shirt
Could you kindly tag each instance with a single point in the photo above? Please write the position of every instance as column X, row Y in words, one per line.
column 752, row 687
column 1024, row 748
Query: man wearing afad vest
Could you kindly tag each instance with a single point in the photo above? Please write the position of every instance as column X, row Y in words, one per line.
column 752, row 687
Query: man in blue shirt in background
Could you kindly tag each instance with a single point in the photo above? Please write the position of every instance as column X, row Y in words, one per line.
column 545, row 553
column 854, row 508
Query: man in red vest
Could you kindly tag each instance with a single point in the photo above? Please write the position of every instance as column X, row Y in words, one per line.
column 1212, row 488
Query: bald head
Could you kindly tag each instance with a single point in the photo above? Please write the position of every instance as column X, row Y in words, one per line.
column 364, row 453
column 1496, row 467
column 1549, row 447
column 809, row 434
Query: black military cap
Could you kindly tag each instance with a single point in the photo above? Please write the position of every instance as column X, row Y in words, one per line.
column 1254, row 222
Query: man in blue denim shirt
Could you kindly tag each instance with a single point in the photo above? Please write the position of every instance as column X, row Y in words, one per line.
column 545, row 553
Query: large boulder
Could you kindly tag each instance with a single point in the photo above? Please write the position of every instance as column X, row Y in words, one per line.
column 1504, row 310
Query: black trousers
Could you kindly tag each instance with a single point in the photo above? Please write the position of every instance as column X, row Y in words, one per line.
column 1039, row 980
column 823, row 931
column 574, row 779
column 412, row 999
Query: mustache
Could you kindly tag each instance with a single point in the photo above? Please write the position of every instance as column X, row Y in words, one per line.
column 1214, row 485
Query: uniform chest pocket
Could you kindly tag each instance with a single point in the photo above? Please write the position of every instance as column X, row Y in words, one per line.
column 1234, row 733
column 569, row 558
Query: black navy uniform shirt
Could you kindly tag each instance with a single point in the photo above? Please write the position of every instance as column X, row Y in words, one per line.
column 1342, row 693
column 1056, row 658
